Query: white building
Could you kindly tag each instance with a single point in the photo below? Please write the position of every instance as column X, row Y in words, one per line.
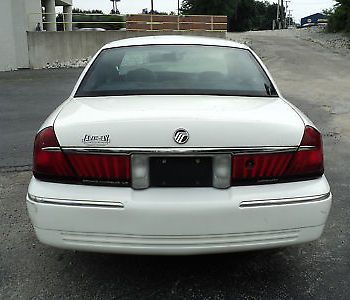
column 19, row 16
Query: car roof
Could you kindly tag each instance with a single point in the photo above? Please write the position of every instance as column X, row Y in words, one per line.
column 175, row 40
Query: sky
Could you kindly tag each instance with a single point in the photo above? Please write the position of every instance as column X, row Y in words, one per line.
column 300, row 8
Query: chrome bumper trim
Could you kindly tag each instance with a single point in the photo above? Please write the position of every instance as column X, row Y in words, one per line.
column 284, row 201
column 51, row 149
column 80, row 203
column 184, row 150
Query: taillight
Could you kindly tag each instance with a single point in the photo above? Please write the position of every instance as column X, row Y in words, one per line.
column 49, row 161
column 307, row 162
column 101, row 167
column 260, row 166
column 52, row 164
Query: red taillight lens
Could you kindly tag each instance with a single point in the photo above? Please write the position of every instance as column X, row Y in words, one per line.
column 51, row 164
column 49, row 161
column 306, row 162
column 101, row 167
column 260, row 166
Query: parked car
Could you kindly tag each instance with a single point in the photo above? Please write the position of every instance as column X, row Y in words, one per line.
column 177, row 145
column 91, row 29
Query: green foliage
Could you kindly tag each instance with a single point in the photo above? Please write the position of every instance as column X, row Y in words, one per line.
column 155, row 12
column 208, row 7
column 86, row 19
column 243, row 14
column 339, row 16
column 81, row 11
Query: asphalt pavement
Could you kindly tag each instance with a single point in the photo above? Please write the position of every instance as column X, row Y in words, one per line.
column 27, row 98
column 313, row 78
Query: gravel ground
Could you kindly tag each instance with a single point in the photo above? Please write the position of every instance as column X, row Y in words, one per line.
column 337, row 42
column 73, row 63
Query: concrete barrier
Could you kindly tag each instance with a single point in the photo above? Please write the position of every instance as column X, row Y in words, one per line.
column 54, row 48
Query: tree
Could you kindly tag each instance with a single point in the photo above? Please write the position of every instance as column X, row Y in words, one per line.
column 208, row 7
column 243, row 14
column 81, row 11
column 339, row 16
column 93, row 19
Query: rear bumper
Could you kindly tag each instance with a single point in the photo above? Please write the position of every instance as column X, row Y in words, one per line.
column 176, row 245
column 178, row 221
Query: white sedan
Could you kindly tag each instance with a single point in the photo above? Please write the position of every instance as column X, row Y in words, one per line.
column 177, row 145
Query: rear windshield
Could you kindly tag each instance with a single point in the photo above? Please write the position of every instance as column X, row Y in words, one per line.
column 175, row 70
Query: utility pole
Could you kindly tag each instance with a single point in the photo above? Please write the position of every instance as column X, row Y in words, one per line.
column 278, row 22
column 178, row 7
column 152, row 7
column 282, row 14
column 287, row 1
column 290, row 17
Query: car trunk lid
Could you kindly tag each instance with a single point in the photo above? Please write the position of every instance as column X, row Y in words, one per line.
column 151, row 121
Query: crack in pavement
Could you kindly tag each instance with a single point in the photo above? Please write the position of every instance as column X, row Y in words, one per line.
column 14, row 169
